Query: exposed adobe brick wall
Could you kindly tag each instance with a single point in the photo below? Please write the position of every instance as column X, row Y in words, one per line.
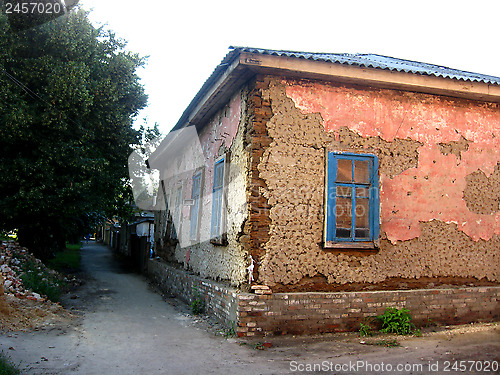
column 256, row 228
column 220, row 300
column 314, row 312
column 429, row 149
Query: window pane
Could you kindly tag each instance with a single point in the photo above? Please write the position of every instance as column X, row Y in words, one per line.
column 362, row 192
column 196, row 206
column 363, row 233
column 344, row 216
column 362, row 221
column 362, row 171
column 344, row 170
column 343, row 233
column 219, row 175
column 362, row 211
column 196, row 186
column 344, row 191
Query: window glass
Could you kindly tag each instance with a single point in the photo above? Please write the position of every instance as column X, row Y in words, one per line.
column 344, row 216
column 196, row 206
column 344, row 170
column 362, row 171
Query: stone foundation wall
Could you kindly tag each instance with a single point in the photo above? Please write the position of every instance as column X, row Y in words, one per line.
column 220, row 300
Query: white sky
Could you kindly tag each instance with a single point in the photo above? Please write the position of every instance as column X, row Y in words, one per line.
column 186, row 40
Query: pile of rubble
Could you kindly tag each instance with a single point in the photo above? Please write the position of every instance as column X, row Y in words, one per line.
column 20, row 307
column 12, row 259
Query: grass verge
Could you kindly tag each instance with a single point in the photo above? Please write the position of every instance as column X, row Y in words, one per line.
column 67, row 260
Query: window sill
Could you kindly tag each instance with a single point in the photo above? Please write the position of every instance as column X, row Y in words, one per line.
column 350, row 245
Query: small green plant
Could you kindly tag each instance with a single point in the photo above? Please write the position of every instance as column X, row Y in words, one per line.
column 397, row 321
column 197, row 305
column 430, row 323
column 365, row 330
column 7, row 368
column 228, row 333
column 259, row 346
column 387, row 343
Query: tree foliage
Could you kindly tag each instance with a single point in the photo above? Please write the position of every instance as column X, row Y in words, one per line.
column 69, row 93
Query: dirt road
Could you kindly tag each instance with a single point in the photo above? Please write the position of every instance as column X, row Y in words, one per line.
column 123, row 327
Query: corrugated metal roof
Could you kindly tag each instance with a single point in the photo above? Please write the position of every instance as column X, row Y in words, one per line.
column 379, row 62
column 359, row 59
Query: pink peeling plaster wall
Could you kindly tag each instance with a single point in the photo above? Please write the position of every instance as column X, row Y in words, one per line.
column 433, row 190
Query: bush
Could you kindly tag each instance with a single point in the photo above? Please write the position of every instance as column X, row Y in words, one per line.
column 397, row 321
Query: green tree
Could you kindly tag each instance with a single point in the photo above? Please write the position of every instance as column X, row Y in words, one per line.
column 69, row 93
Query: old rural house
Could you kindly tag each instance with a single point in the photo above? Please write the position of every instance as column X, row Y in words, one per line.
column 336, row 185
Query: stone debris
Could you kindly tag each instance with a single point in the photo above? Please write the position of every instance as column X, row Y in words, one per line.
column 21, row 308
column 12, row 260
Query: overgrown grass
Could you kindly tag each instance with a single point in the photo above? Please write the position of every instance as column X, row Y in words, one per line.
column 6, row 368
column 67, row 260
column 46, row 282
column 42, row 281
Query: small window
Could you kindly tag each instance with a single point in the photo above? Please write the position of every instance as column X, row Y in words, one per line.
column 195, row 208
column 352, row 201
column 218, row 203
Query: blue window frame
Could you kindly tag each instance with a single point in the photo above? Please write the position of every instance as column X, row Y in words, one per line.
column 176, row 214
column 218, row 199
column 195, row 208
column 352, row 199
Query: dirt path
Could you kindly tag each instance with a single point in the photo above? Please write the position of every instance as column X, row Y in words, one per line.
column 123, row 327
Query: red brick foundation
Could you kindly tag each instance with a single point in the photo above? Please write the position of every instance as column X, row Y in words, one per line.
column 319, row 312
column 309, row 313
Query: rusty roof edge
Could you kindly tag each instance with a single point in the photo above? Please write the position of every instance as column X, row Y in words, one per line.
column 375, row 61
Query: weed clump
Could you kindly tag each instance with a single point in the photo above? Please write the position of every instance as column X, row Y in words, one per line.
column 197, row 305
column 397, row 321
column 393, row 321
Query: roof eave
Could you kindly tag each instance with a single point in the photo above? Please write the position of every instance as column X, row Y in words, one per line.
column 380, row 78
column 239, row 66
